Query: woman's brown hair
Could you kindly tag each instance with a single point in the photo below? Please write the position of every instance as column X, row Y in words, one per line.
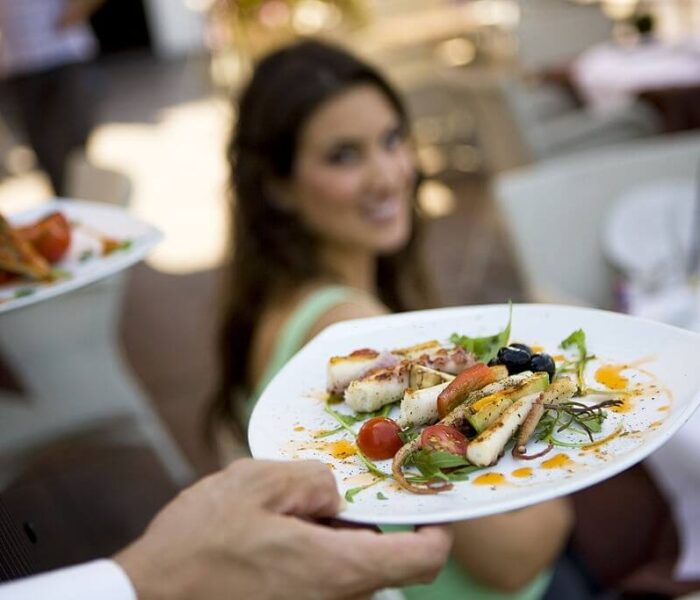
column 271, row 248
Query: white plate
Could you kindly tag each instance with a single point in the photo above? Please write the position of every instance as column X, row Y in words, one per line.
column 89, row 220
column 291, row 408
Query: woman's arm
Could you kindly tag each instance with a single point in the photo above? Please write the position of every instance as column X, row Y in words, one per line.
column 508, row 551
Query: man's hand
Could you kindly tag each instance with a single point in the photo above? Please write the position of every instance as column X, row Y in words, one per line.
column 77, row 11
column 247, row 532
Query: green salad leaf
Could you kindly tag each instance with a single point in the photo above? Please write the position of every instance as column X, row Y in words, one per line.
column 485, row 348
column 350, row 420
column 352, row 492
column 434, row 464
column 577, row 339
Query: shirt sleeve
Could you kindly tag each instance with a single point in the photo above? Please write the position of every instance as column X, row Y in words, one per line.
column 103, row 579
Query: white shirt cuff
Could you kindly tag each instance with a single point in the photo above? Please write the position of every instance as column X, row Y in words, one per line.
column 103, row 579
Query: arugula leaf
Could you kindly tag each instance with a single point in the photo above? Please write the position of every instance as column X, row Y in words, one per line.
column 408, row 435
column 485, row 348
column 431, row 463
column 578, row 339
column 352, row 492
column 24, row 292
column 350, row 420
column 463, row 473
column 57, row 273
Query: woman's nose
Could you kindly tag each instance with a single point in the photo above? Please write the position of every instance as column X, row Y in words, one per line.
column 387, row 170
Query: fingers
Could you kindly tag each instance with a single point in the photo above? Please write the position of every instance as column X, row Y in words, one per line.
column 302, row 488
column 414, row 557
column 372, row 561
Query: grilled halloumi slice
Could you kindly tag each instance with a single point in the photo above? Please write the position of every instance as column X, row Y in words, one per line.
column 379, row 388
column 485, row 448
column 432, row 354
column 419, row 407
column 342, row 370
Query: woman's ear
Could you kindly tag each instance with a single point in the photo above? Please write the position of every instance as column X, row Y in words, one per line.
column 280, row 194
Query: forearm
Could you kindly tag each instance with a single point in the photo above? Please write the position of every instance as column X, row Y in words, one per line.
column 508, row 551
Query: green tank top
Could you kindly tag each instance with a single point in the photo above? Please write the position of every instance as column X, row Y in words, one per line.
column 453, row 583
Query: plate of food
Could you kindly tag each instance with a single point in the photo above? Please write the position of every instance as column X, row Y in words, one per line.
column 441, row 415
column 63, row 245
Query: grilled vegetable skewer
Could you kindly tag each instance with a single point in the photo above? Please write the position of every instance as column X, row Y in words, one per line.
column 560, row 391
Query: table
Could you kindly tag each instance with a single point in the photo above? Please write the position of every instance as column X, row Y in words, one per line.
column 666, row 77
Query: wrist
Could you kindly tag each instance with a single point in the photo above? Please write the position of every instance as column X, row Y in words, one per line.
column 143, row 573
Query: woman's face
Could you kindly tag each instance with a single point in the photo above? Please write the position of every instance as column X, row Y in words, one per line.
column 354, row 174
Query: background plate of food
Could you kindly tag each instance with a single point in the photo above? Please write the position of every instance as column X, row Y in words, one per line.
column 63, row 245
column 450, row 414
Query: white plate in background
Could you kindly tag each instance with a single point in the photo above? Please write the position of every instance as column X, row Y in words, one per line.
column 84, row 262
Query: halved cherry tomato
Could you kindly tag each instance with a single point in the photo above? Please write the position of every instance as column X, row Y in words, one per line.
column 379, row 438
column 444, row 438
column 469, row 380
column 50, row 236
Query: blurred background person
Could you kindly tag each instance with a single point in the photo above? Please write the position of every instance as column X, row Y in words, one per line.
column 46, row 51
column 326, row 229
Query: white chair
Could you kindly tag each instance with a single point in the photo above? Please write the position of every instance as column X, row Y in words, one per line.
column 66, row 354
column 555, row 212
column 549, row 127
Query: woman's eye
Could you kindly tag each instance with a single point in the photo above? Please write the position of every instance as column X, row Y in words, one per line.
column 393, row 139
column 344, row 155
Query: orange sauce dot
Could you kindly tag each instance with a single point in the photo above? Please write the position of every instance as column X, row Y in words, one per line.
column 559, row 358
column 300, row 428
column 523, row 472
column 610, row 377
column 341, row 449
column 664, row 408
column 490, row 479
column 537, row 349
column 656, row 424
column 557, row 462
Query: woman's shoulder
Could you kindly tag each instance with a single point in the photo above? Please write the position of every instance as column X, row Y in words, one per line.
column 298, row 315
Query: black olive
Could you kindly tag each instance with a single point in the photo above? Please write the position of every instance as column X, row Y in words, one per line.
column 515, row 359
column 544, row 363
column 495, row 361
column 522, row 347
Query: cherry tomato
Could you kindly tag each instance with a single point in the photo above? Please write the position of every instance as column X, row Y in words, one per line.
column 379, row 438
column 444, row 438
column 50, row 236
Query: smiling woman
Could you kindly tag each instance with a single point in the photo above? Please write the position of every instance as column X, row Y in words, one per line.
column 326, row 228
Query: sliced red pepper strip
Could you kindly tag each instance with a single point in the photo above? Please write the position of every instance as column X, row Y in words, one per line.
column 469, row 380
